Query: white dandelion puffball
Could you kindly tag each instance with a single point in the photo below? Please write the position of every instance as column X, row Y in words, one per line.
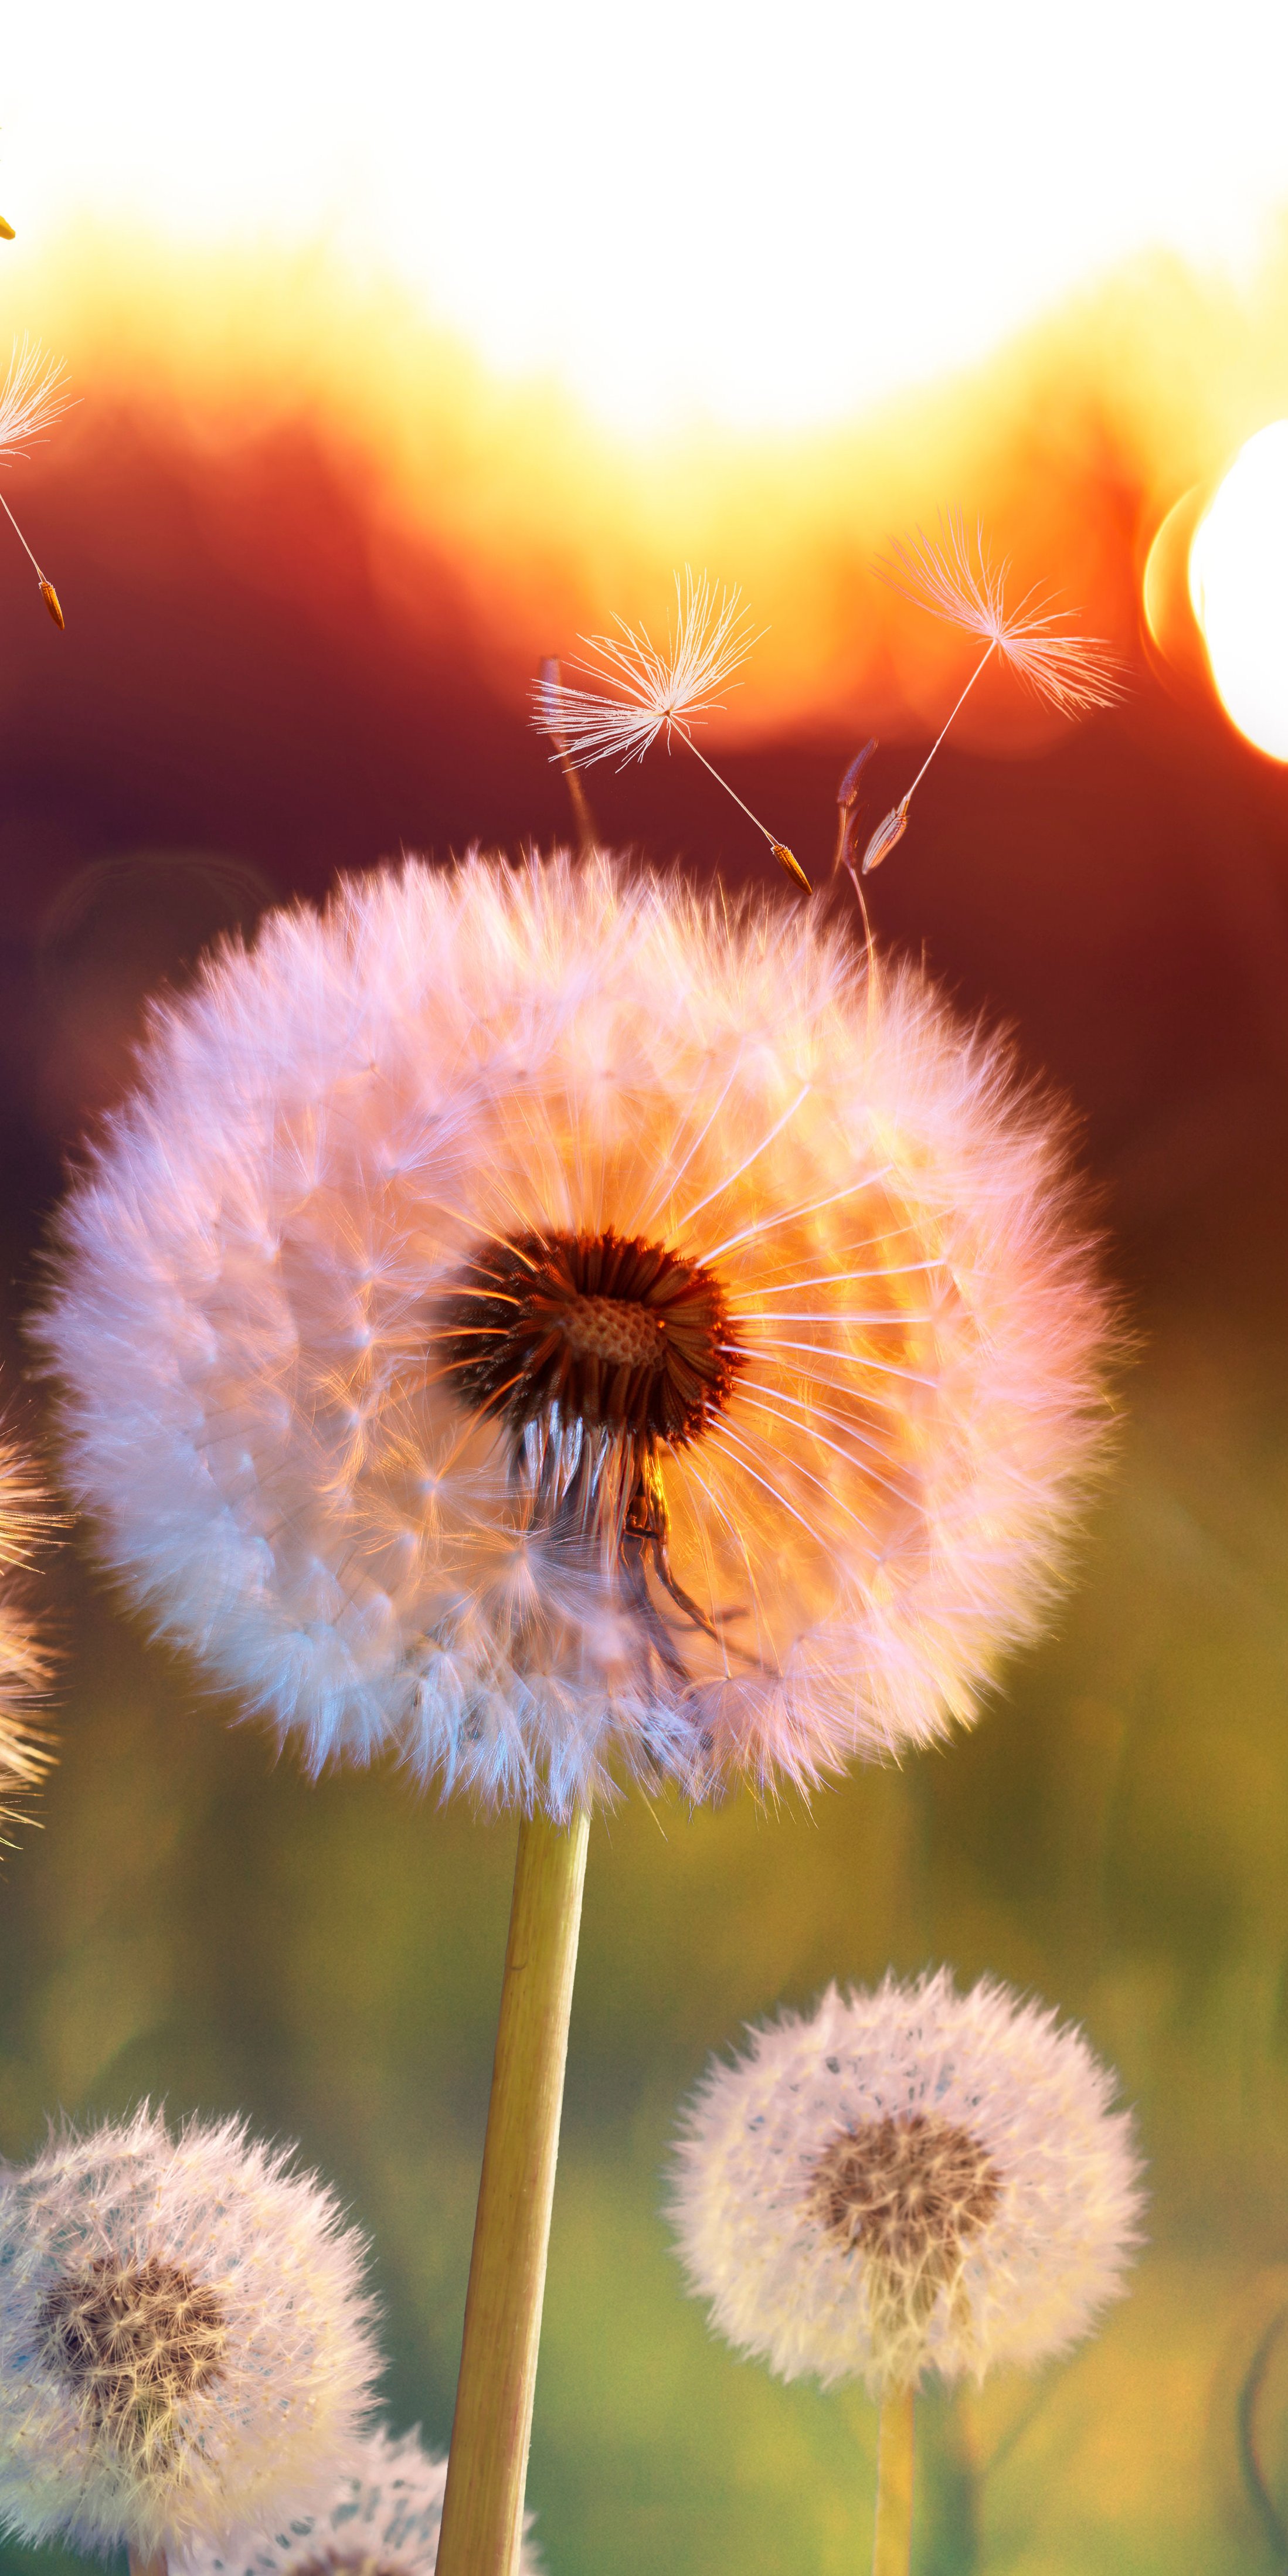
column 555, row 1324
column 376, row 2515
column 907, row 2180
column 185, row 2345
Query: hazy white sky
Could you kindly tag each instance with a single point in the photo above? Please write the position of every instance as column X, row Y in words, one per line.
column 773, row 214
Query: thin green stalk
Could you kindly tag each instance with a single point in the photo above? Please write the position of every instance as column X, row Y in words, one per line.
column 892, row 2549
column 487, row 2468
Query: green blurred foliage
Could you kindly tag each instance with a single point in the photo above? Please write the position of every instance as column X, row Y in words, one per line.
column 196, row 1922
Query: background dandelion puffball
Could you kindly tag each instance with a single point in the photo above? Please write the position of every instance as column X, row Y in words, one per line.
column 379, row 2512
column 185, row 2347
column 25, row 1755
column 906, row 2180
column 550, row 1323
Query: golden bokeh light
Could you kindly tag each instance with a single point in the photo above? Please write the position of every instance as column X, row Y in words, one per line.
column 1238, row 580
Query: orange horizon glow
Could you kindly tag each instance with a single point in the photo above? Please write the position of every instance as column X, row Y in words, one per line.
column 1069, row 447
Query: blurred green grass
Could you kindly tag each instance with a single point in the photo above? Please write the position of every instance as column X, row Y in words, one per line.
column 196, row 1922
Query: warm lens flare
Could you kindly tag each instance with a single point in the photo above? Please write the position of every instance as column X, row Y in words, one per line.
column 1239, row 589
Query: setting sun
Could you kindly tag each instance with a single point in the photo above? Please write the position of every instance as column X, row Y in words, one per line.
column 1239, row 589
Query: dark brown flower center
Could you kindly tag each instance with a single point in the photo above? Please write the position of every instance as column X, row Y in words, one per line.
column 133, row 2340
column 603, row 1329
column 909, row 2190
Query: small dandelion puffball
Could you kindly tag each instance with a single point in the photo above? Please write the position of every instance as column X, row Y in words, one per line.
column 907, row 2180
column 185, row 2347
column 25, row 1754
column 376, row 2515
column 555, row 1324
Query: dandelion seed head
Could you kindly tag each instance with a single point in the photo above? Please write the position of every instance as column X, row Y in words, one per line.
column 655, row 689
column 562, row 1328
column 907, row 2180
column 953, row 580
column 185, row 2345
column 377, row 2513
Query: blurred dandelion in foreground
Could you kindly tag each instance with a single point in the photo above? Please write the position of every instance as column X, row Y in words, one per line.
column 25, row 1754
column 662, row 693
column 904, row 2181
column 379, row 2514
column 558, row 1326
column 954, row 581
column 32, row 396
column 185, row 2347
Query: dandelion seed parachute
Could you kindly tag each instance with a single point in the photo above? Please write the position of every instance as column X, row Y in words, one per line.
column 379, row 2511
column 1072, row 672
column 907, row 2180
column 185, row 2346
column 559, row 1327
column 33, row 394
column 657, row 689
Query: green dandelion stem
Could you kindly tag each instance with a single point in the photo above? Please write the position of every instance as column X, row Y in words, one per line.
column 483, row 2504
column 892, row 2550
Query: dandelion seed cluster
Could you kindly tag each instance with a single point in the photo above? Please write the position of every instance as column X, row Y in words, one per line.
column 907, row 2180
column 379, row 2515
column 560, row 1327
column 185, row 2346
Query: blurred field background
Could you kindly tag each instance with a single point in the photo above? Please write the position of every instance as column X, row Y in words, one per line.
column 285, row 656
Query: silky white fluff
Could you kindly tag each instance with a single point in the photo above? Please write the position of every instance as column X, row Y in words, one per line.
column 243, row 1327
column 297, row 2359
column 380, row 2510
column 1033, row 2279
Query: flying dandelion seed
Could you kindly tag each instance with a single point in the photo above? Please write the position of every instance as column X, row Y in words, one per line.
column 902, row 2182
column 561, row 1327
column 379, row 2514
column 1070, row 672
column 185, row 2347
column 662, row 693
column 32, row 396
column 25, row 1751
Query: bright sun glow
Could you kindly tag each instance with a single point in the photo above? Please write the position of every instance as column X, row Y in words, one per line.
column 768, row 216
column 1239, row 588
